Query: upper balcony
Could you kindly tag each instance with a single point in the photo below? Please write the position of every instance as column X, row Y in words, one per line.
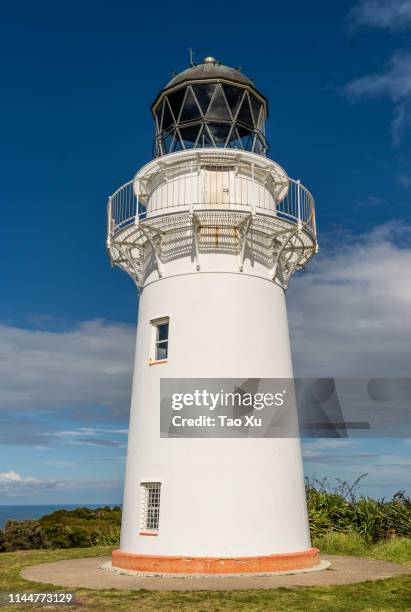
column 210, row 201
column 211, row 179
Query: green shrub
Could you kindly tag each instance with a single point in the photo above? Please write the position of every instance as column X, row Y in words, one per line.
column 339, row 509
column 109, row 538
column 2, row 543
column 79, row 528
column 82, row 527
column 23, row 535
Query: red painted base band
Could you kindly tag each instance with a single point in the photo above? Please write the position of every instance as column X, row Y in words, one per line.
column 216, row 565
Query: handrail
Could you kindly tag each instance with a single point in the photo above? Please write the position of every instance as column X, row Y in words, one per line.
column 293, row 202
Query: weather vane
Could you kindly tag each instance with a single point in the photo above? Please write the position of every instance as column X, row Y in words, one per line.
column 191, row 54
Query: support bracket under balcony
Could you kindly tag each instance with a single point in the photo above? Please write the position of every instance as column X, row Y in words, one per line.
column 243, row 229
column 154, row 238
column 196, row 229
column 277, row 260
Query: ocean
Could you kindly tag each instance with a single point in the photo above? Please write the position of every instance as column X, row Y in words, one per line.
column 19, row 513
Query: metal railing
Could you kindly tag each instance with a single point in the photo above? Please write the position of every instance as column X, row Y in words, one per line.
column 201, row 186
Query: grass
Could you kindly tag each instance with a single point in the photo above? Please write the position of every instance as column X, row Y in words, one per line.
column 384, row 595
column 337, row 506
column 395, row 549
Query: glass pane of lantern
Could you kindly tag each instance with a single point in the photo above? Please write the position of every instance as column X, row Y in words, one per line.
column 189, row 134
column 234, row 141
column 176, row 100
column 242, row 131
column 218, row 108
column 190, row 108
column 233, row 95
column 159, row 112
column 247, row 141
column 203, row 93
column 220, row 133
column 244, row 114
column 168, row 143
column 254, row 143
column 258, row 146
column 178, row 145
column 255, row 107
column 204, row 139
column 260, row 124
column 168, row 119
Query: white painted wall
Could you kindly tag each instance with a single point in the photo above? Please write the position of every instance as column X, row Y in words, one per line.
column 228, row 497
column 219, row 497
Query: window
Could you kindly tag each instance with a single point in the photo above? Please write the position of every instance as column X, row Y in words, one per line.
column 160, row 349
column 150, row 507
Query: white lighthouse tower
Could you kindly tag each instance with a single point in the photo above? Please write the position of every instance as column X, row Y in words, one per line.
column 211, row 230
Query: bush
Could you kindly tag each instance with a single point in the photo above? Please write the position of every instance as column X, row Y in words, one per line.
column 339, row 509
column 79, row 528
column 23, row 535
column 82, row 527
column 2, row 544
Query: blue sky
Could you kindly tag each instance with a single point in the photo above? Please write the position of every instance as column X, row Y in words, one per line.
column 78, row 80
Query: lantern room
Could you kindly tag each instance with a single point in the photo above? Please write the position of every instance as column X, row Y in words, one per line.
column 210, row 105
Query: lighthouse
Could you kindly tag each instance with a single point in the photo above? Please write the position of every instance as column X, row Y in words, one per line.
column 211, row 231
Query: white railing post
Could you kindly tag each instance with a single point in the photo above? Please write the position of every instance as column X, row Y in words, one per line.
column 109, row 222
column 254, row 194
column 299, row 201
column 135, row 190
column 191, row 189
column 137, row 217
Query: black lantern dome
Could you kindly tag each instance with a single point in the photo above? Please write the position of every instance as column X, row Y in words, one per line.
column 210, row 105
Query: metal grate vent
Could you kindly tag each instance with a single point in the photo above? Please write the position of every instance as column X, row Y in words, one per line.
column 150, row 507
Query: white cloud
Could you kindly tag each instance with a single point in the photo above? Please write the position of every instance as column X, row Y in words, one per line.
column 119, row 459
column 327, row 444
column 346, row 458
column 371, row 201
column 90, row 431
column 58, row 463
column 383, row 14
column 90, row 436
column 399, row 123
column 350, row 313
column 404, row 180
column 88, row 365
column 10, row 476
column 394, row 461
column 394, row 81
column 12, row 484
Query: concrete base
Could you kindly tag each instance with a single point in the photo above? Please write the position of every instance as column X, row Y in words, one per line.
column 111, row 568
column 287, row 562
column 87, row 573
